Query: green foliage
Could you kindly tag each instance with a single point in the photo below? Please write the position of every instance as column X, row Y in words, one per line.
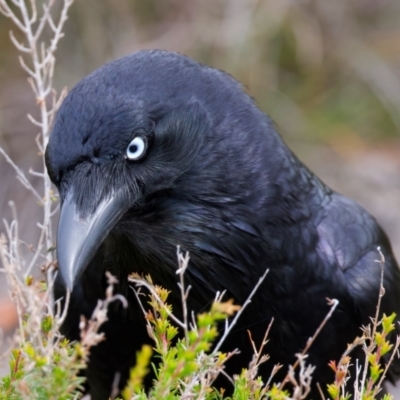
column 137, row 373
column 376, row 344
column 45, row 367
column 184, row 364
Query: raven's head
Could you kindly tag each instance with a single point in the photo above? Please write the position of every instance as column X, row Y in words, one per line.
column 161, row 150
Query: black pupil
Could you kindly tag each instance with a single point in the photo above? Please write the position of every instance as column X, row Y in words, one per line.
column 133, row 148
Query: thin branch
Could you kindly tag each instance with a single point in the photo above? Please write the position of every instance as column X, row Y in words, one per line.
column 183, row 262
column 10, row 14
column 28, row 70
column 39, row 145
column 52, row 24
column 150, row 288
column 374, row 321
column 56, row 210
column 389, row 363
column 42, row 22
column 34, row 121
column 18, row 45
column 258, row 352
column 34, row 12
column 381, row 290
column 331, row 302
column 21, row 176
column 34, row 89
column 38, row 174
column 37, row 253
column 229, row 326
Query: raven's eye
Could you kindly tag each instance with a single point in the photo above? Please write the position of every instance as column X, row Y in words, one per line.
column 136, row 148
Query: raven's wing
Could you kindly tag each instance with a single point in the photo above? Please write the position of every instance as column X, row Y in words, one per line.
column 349, row 237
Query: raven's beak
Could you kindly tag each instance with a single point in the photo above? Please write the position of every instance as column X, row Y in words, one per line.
column 79, row 238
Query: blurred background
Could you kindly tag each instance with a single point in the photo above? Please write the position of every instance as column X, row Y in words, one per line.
column 327, row 73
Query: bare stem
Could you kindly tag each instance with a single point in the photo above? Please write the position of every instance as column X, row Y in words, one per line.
column 229, row 326
column 183, row 262
column 37, row 59
column 331, row 302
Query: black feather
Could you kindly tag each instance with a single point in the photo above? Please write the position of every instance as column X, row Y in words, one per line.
column 219, row 181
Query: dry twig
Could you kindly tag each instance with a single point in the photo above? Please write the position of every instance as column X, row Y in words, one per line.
column 38, row 61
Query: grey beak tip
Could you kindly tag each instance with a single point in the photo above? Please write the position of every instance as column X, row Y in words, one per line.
column 69, row 284
column 79, row 237
column 67, row 279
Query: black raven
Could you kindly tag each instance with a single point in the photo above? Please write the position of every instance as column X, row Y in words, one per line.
column 155, row 150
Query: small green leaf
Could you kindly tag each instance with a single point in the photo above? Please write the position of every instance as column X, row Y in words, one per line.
column 387, row 322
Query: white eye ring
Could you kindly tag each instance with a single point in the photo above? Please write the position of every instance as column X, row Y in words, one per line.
column 136, row 148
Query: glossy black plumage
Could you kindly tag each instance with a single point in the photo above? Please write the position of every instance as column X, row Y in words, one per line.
column 219, row 181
